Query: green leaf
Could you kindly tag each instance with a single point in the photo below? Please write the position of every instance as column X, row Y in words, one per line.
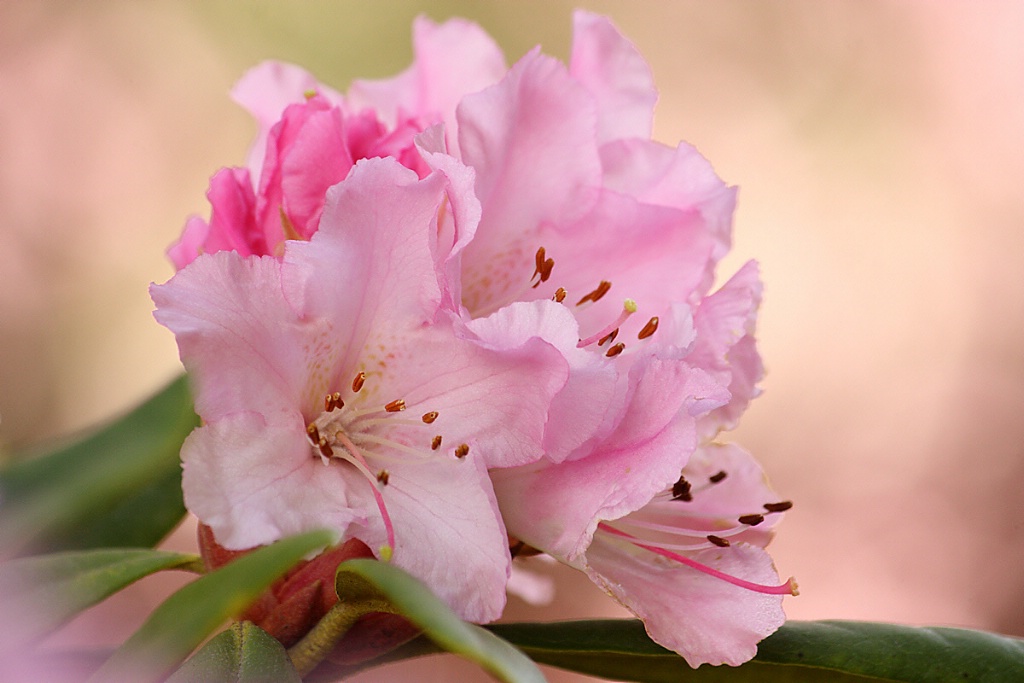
column 119, row 487
column 800, row 651
column 181, row 623
column 363, row 579
column 244, row 653
column 41, row 593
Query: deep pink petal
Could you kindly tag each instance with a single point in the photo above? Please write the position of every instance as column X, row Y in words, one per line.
column 265, row 90
column 616, row 74
column 232, row 225
column 705, row 619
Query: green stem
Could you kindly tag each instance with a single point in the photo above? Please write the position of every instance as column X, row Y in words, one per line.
column 322, row 638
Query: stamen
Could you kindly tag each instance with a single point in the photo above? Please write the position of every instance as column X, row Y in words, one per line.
column 436, row 443
column 628, row 309
column 313, row 433
column 429, row 418
column 681, row 490
column 595, row 295
column 559, row 296
column 787, row 588
column 543, row 267
column 309, row 94
column 615, row 350
column 325, row 448
column 610, row 337
column 719, row 541
column 357, row 382
column 778, row 507
column 383, row 476
column 648, row 329
column 287, row 227
column 751, row 520
column 359, row 461
column 462, row 451
column 390, row 443
column 333, row 401
column 396, row 406
column 715, row 478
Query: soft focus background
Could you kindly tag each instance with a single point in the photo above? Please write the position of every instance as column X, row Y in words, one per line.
column 878, row 150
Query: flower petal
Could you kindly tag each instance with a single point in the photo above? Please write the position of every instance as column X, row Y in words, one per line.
column 531, row 139
column 705, row 619
column 254, row 481
column 610, row 66
column 557, row 508
column 237, row 336
column 450, row 60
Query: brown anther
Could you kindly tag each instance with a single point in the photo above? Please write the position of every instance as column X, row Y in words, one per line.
column 333, row 401
column 313, row 433
column 357, row 382
column 778, row 507
column 325, row 448
column 543, row 267
column 681, row 490
column 429, row 418
column 648, row 329
column 601, row 290
column 462, row 451
column 383, row 477
column 396, row 406
column 559, row 296
column 436, row 443
column 717, row 540
column 751, row 520
column 610, row 337
column 615, row 350
column 715, row 478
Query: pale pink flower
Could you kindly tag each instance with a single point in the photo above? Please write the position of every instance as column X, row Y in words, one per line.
column 336, row 391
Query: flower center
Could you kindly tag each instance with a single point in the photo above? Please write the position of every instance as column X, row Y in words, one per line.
column 369, row 437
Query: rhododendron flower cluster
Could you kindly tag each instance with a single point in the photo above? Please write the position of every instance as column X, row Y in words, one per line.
column 470, row 308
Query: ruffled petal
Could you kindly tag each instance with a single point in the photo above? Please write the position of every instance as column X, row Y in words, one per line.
column 450, row 60
column 531, row 140
column 557, row 508
column 615, row 73
column 240, row 341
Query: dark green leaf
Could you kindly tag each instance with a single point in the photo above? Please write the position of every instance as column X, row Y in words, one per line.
column 181, row 623
column 365, row 578
column 119, row 487
column 41, row 593
column 242, row 654
column 799, row 651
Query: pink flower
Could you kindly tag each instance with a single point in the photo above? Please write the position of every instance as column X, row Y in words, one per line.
column 336, row 392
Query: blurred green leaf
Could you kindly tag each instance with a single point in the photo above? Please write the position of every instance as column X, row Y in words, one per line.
column 119, row 487
column 41, row 593
column 800, row 651
column 181, row 623
column 244, row 653
column 364, row 579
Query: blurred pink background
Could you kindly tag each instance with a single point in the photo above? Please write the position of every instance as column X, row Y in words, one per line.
column 877, row 146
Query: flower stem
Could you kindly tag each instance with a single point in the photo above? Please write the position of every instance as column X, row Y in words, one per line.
column 322, row 638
